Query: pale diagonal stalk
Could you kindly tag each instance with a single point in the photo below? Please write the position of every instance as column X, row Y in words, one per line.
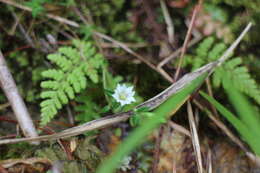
column 195, row 138
column 9, row 87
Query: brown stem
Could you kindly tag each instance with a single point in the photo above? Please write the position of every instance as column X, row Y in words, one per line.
column 187, row 38
column 156, row 154
column 9, row 87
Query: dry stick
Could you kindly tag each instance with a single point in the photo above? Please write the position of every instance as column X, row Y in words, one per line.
column 151, row 103
column 51, row 16
column 132, row 45
column 164, row 74
column 226, row 54
column 209, row 162
column 21, row 28
column 127, row 49
column 3, row 170
column 151, row 18
column 187, row 38
column 177, row 52
column 30, row 161
column 180, row 128
column 88, row 21
column 221, row 126
column 16, row 101
column 254, row 158
column 195, row 138
column 5, row 105
column 157, row 148
column 210, row 92
column 168, row 20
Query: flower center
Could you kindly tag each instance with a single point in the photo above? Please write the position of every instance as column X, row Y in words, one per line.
column 123, row 96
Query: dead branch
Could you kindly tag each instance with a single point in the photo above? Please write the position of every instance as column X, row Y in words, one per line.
column 9, row 87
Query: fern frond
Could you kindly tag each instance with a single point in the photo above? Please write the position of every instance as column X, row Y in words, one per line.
column 204, row 47
column 241, row 78
column 216, row 51
column 233, row 69
column 202, row 53
column 76, row 66
column 88, row 110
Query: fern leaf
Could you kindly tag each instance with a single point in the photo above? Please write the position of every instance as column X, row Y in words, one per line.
column 88, row 110
column 53, row 74
column 74, row 66
column 216, row 51
column 233, row 69
column 240, row 77
column 203, row 49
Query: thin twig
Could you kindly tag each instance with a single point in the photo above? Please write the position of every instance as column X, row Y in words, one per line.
column 138, row 56
column 178, row 51
column 21, row 28
column 209, row 162
column 131, row 45
column 151, row 17
column 221, row 126
column 157, row 147
column 3, row 170
column 226, row 54
column 187, row 38
column 51, row 16
column 16, row 101
column 57, row 167
column 179, row 128
column 210, row 92
column 253, row 158
column 165, row 74
column 88, row 21
column 126, row 48
column 168, row 20
column 5, row 105
column 70, row 115
column 195, row 138
column 30, row 161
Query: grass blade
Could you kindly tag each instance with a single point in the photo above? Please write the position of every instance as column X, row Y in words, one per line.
column 249, row 136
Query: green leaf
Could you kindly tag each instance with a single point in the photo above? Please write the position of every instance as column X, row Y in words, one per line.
column 73, row 64
column 252, row 137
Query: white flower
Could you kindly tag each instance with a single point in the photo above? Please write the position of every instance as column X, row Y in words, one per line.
column 125, row 163
column 124, row 95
